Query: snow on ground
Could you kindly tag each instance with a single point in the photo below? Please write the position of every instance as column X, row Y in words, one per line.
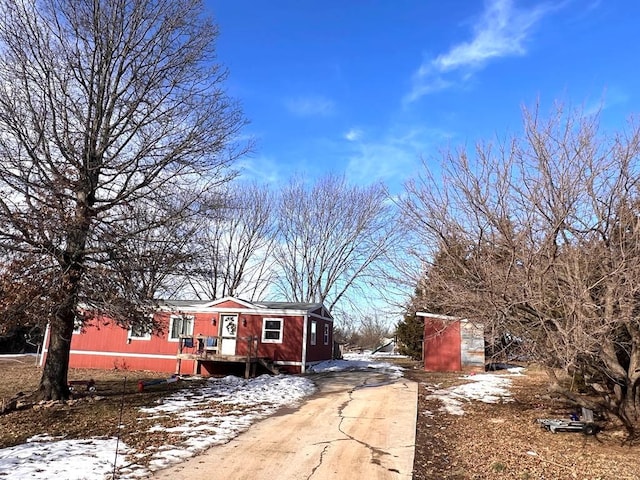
column 44, row 457
column 360, row 361
column 200, row 425
column 483, row 387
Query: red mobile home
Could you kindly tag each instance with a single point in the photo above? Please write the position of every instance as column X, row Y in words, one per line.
column 212, row 337
column 451, row 344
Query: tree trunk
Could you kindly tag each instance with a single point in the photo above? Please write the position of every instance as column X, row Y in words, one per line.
column 628, row 413
column 117, row 97
column 53, row 383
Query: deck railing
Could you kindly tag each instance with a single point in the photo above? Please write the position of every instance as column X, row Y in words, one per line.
column 209, row 348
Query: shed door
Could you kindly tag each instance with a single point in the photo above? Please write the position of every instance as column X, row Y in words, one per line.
column 229, row 326
column 441, row 346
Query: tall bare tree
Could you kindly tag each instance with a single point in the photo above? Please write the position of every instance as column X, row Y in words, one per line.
column 106, row 107
column 331, row 237
column 143, row 257
column 538, row 238
column 233, row 249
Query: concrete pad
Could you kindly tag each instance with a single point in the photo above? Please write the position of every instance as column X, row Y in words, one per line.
column 359, row 425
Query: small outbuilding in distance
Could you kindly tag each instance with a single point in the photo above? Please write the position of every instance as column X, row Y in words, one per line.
column 452, row 344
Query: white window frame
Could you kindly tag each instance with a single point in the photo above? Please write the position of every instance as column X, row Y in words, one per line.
column 314, row 332
column 146, row 336
column 77, row 326
column 326, row 334
column 265, row 330
column 173, row 318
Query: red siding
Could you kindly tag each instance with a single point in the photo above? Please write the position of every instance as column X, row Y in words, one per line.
column 442, row 345
column 319, row 351
column 105, row 345
column 289, row 350
column 291, row 347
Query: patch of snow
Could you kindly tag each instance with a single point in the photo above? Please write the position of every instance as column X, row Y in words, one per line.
column 44, row 458
column 358, row 361
column 201, row 425
column 484, row 387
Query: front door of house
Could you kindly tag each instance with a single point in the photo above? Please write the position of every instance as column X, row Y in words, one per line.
column 229, row 333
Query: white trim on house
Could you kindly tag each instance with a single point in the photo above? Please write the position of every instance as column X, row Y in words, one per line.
column 249, row 308
column 121, row 354
column 264, row 339
column 305, row 324
column 167, row 357
column 437, row 316
column 247, row 311
column 192, row 320
column 315, row 315
column 258, row 311
column 144, row 337
column 289, row 364
column 45, row 344
column 228, row 299
column 314, row 333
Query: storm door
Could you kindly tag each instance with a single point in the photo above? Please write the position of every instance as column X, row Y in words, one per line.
column 229, row 333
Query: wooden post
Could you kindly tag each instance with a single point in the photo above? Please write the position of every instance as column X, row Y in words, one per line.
column 254, row 366
column 179, row 360
column 247, row 366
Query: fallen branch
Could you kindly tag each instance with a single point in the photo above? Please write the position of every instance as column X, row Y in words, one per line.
column 17, row 402
column 533, row 454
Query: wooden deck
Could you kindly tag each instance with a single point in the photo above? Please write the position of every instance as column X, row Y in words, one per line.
column 204, row 349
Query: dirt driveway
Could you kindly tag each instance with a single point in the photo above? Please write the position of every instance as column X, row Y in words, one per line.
column 359, row 425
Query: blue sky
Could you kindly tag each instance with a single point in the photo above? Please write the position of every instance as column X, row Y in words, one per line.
column 367, row 88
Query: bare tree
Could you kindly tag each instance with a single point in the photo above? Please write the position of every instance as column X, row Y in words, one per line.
column 142, row 258
column 24, row 282
column 331, row 236
column 107, row 107
column 539, row 239
column 373, row 331
column 362, row 332
column 233, row 248
column 346, row 331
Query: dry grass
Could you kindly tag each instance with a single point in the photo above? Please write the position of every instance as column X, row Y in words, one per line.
column 98, row 414
column 491, row 441
column 504, row 441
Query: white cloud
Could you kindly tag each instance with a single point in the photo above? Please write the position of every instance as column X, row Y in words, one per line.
column 363, row 155
column 501, row 31
column 611, row 97
column 262, row 169
column 353, row 134
column 392, row 157
column 310, row 106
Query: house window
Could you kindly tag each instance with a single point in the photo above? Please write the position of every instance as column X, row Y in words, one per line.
column 272, row 330
column 326, row 334
column 77, row 325
column 140, row 332
column 314, row 332
column 180, row 325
